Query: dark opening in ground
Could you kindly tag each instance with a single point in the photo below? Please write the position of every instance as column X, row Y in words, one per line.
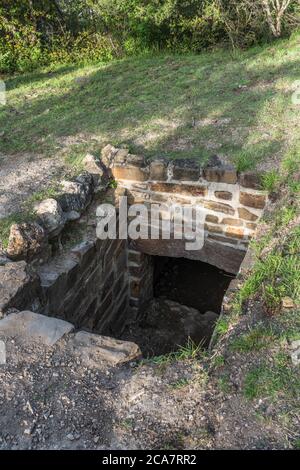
column 192, row 283
column 187, row 302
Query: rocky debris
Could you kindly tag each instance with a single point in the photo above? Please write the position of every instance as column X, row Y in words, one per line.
column 295, row 355
column 72, row 215
column 51, row 216
column 166, row 325
column 93, row 166
column 76, row 195
column 28, row 326
column 18, row 284
column 287, row 302
column 2, row 353
column 94, row 349
column 4, row 260
column 107, row 155
column 26, row 241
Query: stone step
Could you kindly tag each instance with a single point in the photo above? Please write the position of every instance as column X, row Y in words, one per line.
column 33, row 327
column 95, row 349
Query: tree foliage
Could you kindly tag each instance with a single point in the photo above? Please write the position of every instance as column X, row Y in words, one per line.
column 37, row 32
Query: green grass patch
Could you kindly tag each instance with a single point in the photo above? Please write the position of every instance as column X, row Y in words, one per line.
column 224, row 384
column 166, row 104
column 181, row 383
column 271, row 380
column 222, row 326
column 256, row 339
column 189, row 351
column 278, row 274
column 271, row 180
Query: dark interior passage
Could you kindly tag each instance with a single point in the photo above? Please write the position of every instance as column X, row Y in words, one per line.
column 192, row 283
column 187, row 301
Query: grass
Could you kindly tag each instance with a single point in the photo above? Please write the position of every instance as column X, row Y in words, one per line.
column 276, row 275
column 189, row 351
column 274, row 380
column 181, row 383
column 271, row 180
column 175, row 105
column 256, row 339
column 224, row 384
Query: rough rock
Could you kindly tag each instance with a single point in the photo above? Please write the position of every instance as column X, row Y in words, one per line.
column 72, row 215
column 107, row 155
column 4, row 260
column 95, row 348
column 295, row 355
column 26, row 241
column 76, row 195
column 93, row 166
column 29, row 327
column 51, row 216
column 2, row 353
column 17, row 285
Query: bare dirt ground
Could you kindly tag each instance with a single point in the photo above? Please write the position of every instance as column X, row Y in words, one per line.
column 52, row 399
column 23, row 175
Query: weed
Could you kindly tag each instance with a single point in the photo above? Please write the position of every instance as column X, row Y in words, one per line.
column 271, row 180
column 180, row 383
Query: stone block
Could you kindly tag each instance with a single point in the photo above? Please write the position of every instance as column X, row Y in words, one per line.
column 27, row 241
column 230, row 221
column 213, row 228
column 222, row 174
column 235, row 232
column 18, row 285
column 219, row 207
column 32, row 327
column 180, row 189
column 158, row 170
column 186, row 170
column 94, row 349
column 245, row 214
column 226, row 195
column 212, row 218
column 257, row 201
column 130, row 173
column 251, row 179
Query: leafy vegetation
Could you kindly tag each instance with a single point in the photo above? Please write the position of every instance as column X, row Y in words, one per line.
column 43, row 32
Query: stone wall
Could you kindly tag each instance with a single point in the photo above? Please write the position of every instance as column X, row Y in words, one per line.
column 232, row 203
column 88, row 286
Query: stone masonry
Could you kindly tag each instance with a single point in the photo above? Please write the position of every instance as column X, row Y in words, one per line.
column 233, row 203
column 102, row 285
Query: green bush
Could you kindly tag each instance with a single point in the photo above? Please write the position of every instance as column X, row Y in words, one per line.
column 40, row 32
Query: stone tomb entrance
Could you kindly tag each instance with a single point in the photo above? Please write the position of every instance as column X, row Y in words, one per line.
column 153, row 292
